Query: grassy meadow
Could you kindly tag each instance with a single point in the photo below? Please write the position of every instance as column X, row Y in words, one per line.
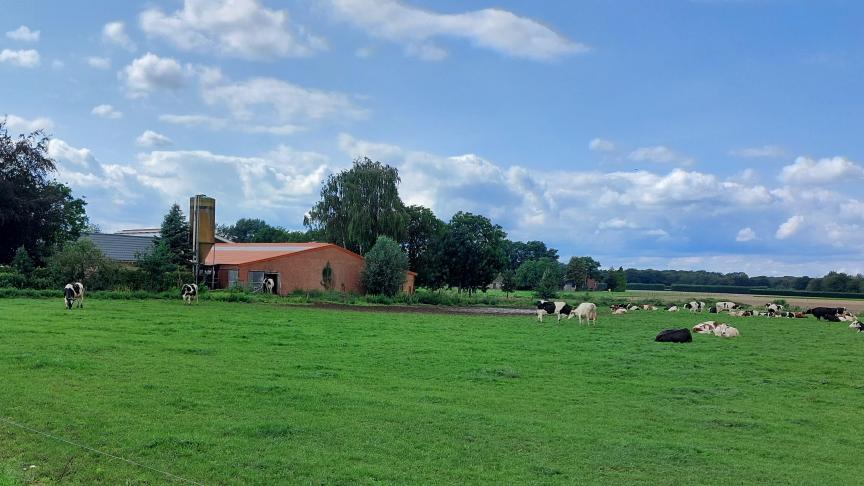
column 257, row 393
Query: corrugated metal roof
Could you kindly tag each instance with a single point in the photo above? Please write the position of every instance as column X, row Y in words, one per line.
column 122, row 248
column 238, row 253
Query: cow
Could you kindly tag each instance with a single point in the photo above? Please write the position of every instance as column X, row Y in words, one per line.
column 545, row 307
column 725, row 331
column 726, row 306
column 712, row 309
column 822, row 312
column 672, row 308
column 586, row 310
column 772, row 307
column 619, row 311
column 189, row 293
column 831, row 317
column 648, row 307
column 857, row 325
column 615, row 307
column 800, row 315
column 268, row 285
column 72, row 293
column 741, row 313
column 706, row 327
column 695, row 306
column 633, row 307
column 847, row 318
column 674, row 336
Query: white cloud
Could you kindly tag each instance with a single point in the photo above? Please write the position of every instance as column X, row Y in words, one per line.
column 288, row 102
column 808, row 171
column 790, row 227
column 194, row 121
column 237, row 28
column 99, row 62
column 115, row 33
column 62, row 151
column 491, row 28
column 24, row 125
column 660, row 154
column 150, row 72
column 766, row 151
column 746, row 234
column 28, row 58
column 106, row 111
column 601, row 145
column 617, row 223
column 152, row 139
column 23, row 34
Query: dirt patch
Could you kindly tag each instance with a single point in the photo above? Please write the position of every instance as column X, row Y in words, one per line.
column 429, row 309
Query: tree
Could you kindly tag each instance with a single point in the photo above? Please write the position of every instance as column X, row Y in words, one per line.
column 580, row 269
column 550, row 283
column 473, row 250
column 249, row 230
column 35, row 210
column 424, row 230
column 177, row 236
column 22, row 263
column 81, row 261
column 327, row 277
column 529, row 274
column 358, row 205
column 385, row 268
column 243, row 230
column 519, row 252
column 616, row 280
column 158, row 266
column 508, row 282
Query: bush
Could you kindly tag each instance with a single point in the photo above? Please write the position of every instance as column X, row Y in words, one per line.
column 385, row 268
column 81, row 261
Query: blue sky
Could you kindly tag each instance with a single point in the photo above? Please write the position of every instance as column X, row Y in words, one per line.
column 704, row 134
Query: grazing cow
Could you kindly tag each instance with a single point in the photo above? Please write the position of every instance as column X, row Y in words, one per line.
column 586, row 310
column 706, row 327
column 695, row 306
column 822, row 312
column 725, row 331
column 619, row 311
column 672, row 308
column 268, row 285
column 712, row 309
column 772, row 307
column 726, row 306
column 674, row 336
column 545, row 307
column 189, row 293
column 72, row 293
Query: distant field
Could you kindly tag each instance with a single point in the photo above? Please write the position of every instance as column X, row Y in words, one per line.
column 236, row 393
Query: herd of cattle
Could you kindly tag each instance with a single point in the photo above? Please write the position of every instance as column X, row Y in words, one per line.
column 589, row 311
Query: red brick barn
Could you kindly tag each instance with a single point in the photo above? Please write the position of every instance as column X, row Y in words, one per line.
column 293, row 266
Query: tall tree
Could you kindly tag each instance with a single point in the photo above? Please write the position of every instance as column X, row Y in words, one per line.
column 424, row 230
column 177, row 236
column 384, row 268
column 35, row 210
column 474, row 251
column 580, row 269
column 358, row 205
column 249, row 230
column 519, row 252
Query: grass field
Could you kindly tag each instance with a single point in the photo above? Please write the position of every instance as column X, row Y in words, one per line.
column 232, row 393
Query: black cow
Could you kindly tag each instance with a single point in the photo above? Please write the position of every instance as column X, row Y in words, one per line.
column 74, row 292
column 674, row 336
column 189, row 293
column 822, row 312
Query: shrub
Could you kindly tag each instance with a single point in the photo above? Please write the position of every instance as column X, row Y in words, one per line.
column 385, row 267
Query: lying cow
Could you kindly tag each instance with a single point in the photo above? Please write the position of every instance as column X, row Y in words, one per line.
column 586, row 310
column 723, row 330
column 741, row 313
column 189, row 293
column 633, row 307
column 706, row 327
column 695, row 306
column 648, row 307
column 674, row 336
column 619, row 311
column 773, row 307
column 72, row 293
column 546, row 307
column 726, row 306
column 857, row 325
column 672, row 308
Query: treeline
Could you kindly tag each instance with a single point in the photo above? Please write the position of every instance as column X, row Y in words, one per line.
column 832, row 282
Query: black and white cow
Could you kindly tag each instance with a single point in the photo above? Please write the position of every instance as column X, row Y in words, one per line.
column 772, row 307
column 268, row 285
column 74, row 292
column 545, row 307
column 189, row 293
column 695, row 306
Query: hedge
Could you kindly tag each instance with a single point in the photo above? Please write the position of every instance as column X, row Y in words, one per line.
column 732, row 289
column 725, row 289
column 645, row 286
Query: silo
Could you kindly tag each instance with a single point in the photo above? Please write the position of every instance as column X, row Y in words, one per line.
column 202, row 222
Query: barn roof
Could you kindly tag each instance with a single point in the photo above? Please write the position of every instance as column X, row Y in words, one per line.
column 121, row 248
column 240, row 253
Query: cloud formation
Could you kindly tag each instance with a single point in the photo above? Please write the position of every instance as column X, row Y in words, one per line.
column 27, row 58
column 106, row 111
column 23, row 34
column 601, row 145
column 150, row 73
column 99, row 62
column 235, row 28
column 150, row 139
column 23, row 125
column 765, row 151
column 790, row 227
column 808, row 171
column 660, row 154
column 114, row 33
column 491, row 28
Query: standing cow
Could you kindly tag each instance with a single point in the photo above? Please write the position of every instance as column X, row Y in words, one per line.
column 268, row 285
column 72, row 293
column 586, row 310
column 189, row 293
column 545, row 307
column 726, row 306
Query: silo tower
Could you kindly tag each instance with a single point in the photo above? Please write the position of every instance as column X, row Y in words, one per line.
column 202, row 222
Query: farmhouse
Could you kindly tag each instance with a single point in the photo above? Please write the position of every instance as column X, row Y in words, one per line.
column 292, row 266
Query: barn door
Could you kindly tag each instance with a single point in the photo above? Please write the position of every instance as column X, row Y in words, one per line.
column 275, row 277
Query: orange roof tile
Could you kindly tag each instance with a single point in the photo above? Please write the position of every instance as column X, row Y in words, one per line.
column 239, row 253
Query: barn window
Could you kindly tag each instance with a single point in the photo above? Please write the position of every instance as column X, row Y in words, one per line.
column 256, row 280
column 233, row 277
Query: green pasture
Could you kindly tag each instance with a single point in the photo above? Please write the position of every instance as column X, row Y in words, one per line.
column 261, row 393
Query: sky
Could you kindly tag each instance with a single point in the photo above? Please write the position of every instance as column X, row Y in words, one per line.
column 722, row 135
